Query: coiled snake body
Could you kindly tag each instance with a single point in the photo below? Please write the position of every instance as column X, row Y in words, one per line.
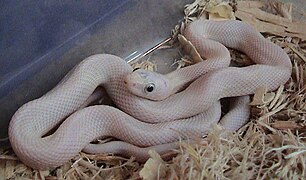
column 191, row 111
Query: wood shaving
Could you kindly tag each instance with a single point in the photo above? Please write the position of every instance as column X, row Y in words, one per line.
column 300, row 54
column 261, row 97
column 190, row 49
column 154, row 168
column 271, row 146
column 280, row 25
column 147, row 65
column 221, row 11
column 285, row 10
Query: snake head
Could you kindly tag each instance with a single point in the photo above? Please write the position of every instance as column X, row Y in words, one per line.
column 148, row 84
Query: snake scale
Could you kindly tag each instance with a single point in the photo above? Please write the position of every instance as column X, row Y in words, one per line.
column 140, row 123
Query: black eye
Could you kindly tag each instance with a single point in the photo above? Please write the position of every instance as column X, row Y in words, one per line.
column 150, row 87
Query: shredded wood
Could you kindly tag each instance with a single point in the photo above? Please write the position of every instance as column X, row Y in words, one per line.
column 271, row 146
column 189, row 49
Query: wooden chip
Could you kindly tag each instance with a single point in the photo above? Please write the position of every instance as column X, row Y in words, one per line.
column 265, row 125
column 283, row 9
column 88, row 165
column 277, row 139
column 259, row 25
column 296, row 51
column 296, row 27
column 250, row 4
column 189, row 48
column 147, row 65
column 6, row 157
column 285, row 125
column 44, row 174
column 154, row 168
column 20, row 168
column 221, row 11
column 277, row 96
column 267, row 22
column 184, row 61
column 191, row 151
column 262, row 97
column 9, row 169
column 267, row 17
column 279, row 108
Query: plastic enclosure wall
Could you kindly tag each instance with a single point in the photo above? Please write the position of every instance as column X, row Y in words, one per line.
column 40, row 41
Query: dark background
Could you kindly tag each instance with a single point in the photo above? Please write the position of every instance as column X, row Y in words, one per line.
column 40, row 41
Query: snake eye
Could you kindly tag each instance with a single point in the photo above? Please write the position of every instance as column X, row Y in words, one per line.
column 150, row 87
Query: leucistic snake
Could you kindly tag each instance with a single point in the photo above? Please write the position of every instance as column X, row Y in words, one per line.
column 139, row 123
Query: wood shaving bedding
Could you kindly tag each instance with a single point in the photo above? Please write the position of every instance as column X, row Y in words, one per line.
column 271, row 145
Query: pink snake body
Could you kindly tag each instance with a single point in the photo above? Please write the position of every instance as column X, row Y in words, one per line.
column 142, row 124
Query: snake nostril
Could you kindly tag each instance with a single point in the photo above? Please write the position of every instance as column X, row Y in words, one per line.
column 125, row 80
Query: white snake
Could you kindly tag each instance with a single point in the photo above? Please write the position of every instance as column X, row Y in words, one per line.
column 189, row 112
